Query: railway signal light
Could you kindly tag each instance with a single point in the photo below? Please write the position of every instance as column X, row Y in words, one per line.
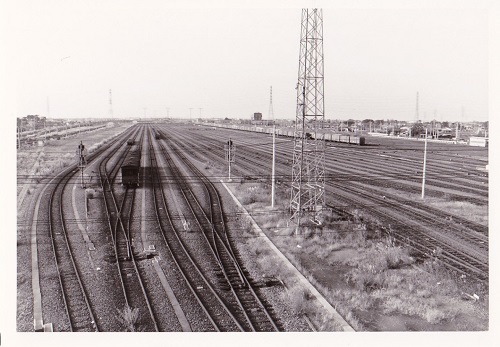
column 81, row 155
column 229, row 150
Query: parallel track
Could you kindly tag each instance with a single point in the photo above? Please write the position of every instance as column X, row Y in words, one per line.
column 75, row 297
column 134, row 291
column 458, row 260
column 212, row 304
column 252, row 308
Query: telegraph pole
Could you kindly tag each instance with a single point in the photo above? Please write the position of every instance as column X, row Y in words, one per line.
column 425, row 162
column 273, row 170
column 308, row 170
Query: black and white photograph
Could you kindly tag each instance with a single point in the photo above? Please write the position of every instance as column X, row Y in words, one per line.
column 303, row 172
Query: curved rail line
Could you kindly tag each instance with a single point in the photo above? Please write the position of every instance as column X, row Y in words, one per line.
column 251, row 306
column 69, row 273
column 220, row 316
column 75, row 297
column 130, row 277
column 459, row 261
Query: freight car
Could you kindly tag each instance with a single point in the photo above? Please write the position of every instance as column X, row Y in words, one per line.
column 289, row 132
column 130, row 168
column 157, row 134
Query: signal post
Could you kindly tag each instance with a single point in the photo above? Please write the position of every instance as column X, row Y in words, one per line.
column 81, row 156
column 229, row 150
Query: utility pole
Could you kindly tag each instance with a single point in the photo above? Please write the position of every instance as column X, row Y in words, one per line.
column 18, row 137
column 425, row 162
column 200, row 108
column 273, row 170
column 190, row 114
column 308, row 170
column 434, row 130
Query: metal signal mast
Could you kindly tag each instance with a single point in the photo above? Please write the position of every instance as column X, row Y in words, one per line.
column 81, row 156
column 308, row 171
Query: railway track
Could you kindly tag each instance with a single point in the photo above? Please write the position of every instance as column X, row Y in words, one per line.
column 76, row 300
column 244, row 303
column 212, row 304
column 464, row 259
column 77, row 310
column 257, row 311
column 133, row 288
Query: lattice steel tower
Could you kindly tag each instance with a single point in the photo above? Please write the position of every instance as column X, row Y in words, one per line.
column 110, row 105
column 270, row 115
column 417, row 114
column 308, row 172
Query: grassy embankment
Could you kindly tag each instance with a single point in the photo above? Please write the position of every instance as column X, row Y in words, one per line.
column 359, row 270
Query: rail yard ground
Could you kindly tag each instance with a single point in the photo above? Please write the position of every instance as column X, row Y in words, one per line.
column 376, row 285
column 373, row 282
column 33, row 163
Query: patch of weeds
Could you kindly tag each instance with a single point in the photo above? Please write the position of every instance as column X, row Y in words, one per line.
column 299, row 299
column 364, row 281
column 128, row 317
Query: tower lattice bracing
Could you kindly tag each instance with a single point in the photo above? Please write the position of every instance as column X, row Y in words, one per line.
column 308, row 171
column 110, row 105
column 417, row 114
column 270, row 115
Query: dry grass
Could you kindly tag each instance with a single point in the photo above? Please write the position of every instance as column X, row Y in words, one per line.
column 470, row 211
column 128, row 317
column 382, row 277
column 467, row 210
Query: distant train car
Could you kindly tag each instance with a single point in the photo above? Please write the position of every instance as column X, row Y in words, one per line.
column 130, row 142
column 157, row 135
column 336, row 137
column 344, row 138
column 130, row 168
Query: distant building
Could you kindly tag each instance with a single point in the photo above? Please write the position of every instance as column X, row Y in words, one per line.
column 257, row 116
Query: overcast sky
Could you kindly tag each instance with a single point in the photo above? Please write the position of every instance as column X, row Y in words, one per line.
column 67, row 55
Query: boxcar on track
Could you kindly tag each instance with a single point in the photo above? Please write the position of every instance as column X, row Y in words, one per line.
column 130, row 168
